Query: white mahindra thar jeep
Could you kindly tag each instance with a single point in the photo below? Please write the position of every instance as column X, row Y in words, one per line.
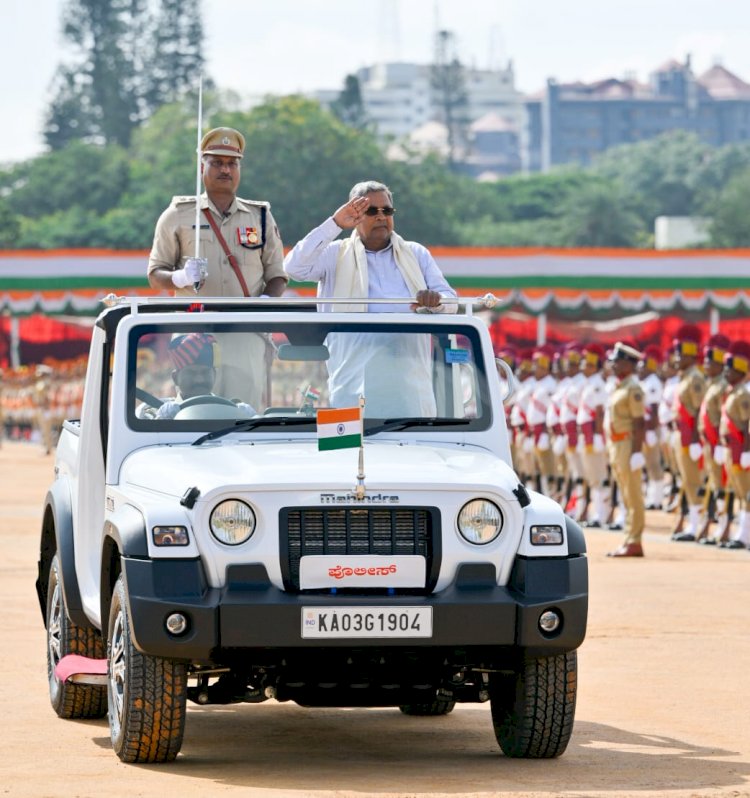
column 201, row 546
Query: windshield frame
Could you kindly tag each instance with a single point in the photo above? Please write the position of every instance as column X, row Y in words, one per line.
column 311, row 329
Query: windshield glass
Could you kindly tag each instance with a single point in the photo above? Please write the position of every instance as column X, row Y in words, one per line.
column 209, row 376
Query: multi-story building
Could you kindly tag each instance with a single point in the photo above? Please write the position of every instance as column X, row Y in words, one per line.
column 398, row 97
column 574, row 122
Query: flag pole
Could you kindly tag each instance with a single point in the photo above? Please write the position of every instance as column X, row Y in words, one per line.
column 359, row 488
column 196, row 286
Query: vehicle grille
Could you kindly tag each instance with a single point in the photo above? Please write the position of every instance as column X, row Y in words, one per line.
column 355, row 530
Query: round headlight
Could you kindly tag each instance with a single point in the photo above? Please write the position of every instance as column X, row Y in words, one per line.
column 232, row 522
column 480, row 521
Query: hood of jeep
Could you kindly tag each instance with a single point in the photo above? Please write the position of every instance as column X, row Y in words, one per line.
column 299, row 466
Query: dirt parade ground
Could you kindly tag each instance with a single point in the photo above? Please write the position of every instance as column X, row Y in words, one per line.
column 663, row 701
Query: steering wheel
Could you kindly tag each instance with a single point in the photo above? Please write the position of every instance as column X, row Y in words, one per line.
column 206, row 399
column 148, row 398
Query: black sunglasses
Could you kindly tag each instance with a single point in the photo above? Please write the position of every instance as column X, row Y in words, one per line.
column 371, row 211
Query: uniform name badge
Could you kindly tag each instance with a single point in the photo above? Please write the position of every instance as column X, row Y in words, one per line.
column 247, row 235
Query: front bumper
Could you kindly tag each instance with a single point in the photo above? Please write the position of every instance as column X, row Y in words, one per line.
column 251, row 613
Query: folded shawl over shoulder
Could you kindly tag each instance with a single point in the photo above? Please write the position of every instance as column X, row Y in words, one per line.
column 351, row 270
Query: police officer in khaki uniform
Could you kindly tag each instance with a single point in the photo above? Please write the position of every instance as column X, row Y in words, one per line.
column 685, row 442
column 624, row 429
column 709, row 418
column 241, row 248
column 734, row 431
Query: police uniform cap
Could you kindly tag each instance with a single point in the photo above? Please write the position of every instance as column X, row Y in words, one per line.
column 193, row 349
column 626, row 351
column 716, row 348
column 572, row 352
column 687, row 340
column 593, row 353
column 507, row 353
column 543, row 355
column 223, row 141
column 738, row 356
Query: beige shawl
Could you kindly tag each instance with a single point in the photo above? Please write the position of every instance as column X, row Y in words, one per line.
column 351, row 270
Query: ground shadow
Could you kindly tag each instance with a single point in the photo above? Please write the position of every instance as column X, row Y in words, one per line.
column 290, row 748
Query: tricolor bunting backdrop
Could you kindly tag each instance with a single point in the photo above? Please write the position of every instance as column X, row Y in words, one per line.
column 584, row 293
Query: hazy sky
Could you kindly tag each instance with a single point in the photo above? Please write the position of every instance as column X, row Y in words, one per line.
column 281, row 46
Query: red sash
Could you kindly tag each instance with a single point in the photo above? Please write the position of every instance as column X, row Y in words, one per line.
column 686, row 423
column 735, row 439
column 587, row 430
column 710, row 432
column 537, row 431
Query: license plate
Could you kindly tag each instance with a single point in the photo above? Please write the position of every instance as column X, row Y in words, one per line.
column 372, row 622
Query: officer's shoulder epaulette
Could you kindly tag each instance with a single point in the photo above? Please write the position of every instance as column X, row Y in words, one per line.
column 183, row 199
column 248, row 203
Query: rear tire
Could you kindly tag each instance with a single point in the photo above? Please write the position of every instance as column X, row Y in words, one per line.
column 147, row 695
column 70, row 700
column 533, row 710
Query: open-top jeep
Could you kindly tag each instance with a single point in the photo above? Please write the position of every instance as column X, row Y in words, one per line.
column 216, row 553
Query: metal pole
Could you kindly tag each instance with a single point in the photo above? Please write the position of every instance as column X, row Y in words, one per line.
column 541, row 329
column 714, row 319
column 15, row 342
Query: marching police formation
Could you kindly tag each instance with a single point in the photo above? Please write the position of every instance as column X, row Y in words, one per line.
column 610, row 435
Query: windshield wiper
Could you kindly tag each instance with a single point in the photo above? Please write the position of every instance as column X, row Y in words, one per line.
column 414, row 421
column 247, row 424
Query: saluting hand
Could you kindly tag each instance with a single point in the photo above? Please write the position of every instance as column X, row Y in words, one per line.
column 350, row 215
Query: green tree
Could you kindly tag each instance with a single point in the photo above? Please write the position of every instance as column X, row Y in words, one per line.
column 10, row 226
column 175, row 53
column 730, row 227
column 658, row 177
column 105, row 37
column 348, row 106
column 448, row 84
column 598, row 215
column 126, row 59
column 80, row 175
column 717, row 170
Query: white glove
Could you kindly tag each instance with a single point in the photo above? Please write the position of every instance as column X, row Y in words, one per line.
column 637, row 460
column 246, row 409
column 720, row 454
column 195, row 271
column 528, row 445
column 559, row 446
column 598, row 443
column 695, row 451
column 651, row 438
column 543, row 443
column 745, row 460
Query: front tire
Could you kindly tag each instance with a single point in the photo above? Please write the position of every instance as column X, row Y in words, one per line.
column 533, row 709
column 70, row 700
column 147, row 695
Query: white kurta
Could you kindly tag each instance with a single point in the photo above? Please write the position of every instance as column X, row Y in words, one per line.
column 392, row 371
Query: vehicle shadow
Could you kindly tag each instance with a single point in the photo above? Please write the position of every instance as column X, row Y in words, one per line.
column 291, row 748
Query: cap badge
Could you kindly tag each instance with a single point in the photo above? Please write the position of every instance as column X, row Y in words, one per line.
column 226, row 140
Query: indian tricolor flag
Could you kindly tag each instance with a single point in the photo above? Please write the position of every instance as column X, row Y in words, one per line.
column 339, row 429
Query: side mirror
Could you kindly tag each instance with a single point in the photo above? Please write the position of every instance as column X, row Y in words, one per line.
column 506, row 374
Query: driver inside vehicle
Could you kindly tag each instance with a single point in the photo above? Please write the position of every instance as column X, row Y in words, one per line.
column 195, row 357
